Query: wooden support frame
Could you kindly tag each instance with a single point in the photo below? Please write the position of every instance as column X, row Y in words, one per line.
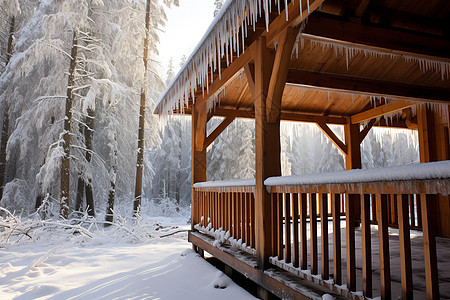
column 279, row 73
column 198, row 158
column 320, row 26
column 267, row 144
column 381, row 111
column 217, row 131
column 371, row 86
column 333, row 137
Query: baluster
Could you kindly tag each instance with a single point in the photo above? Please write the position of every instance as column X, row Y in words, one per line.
column 323, row 200
column 303, row 237
column 246, row 219
column 383, row 235
column 242, row 213
column 405, row 246
column 295, row 256
column 428, row 209
column 274, row 205
column 336, row 215
column 350, row 234
column 287, row 227
column 280, row 225
column 252, row 211
column 366, row 246
column 313, row 232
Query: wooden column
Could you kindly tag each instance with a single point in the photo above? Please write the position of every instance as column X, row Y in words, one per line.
column 267, row 152
column 434, row 145
column 267, row 85
column 353, row 210
column 198, row 159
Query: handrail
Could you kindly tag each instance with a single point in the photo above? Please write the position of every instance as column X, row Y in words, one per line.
column 403, row 197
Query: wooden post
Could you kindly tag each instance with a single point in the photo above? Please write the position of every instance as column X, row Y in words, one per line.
column 267, row 152
column 366, row 246
column 323, row 200
column 383, row 236
column 313, row 232
column 405, row 246
column 198, row 159
column 434, row 145
column 428, row 204
column 350, row 236
column 336, row 215
column 295, row 215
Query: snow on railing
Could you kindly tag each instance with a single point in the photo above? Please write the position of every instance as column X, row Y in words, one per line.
column 413, row 172
column 238, row 185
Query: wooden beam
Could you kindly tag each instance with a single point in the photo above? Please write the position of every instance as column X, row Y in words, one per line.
column 285, row 116
column 366, row 129
column 321, row 26
column 380, row 111
column 297, row 12
column 353, row 155
column 279, row 73
column 228, row 73
column 369, row 86
column 198, row 162
column 250, row 73
column 219, row 129
column 333, row 137
column 362, row 7
column 267, row 152
column 199, row 125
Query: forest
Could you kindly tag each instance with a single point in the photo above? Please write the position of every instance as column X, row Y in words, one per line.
column 78, row 84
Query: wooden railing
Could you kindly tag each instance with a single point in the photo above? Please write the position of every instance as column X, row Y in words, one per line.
column 229, row 208
column 297, row 207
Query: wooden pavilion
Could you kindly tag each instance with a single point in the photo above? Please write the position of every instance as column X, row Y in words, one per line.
column 354, row 63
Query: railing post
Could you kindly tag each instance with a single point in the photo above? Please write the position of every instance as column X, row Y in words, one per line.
column 267, row 151
column 198, row 163
column 428, row 208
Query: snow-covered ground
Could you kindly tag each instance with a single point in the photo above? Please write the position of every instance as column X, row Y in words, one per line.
column 121, row 262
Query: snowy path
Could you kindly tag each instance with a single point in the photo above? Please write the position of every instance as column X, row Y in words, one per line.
column 101, row 268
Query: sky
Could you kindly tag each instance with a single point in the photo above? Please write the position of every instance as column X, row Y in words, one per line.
column 185, row 27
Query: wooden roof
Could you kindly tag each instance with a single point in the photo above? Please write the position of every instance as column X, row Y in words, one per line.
column 353, row 55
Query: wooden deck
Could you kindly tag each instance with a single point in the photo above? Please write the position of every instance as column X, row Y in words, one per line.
column 378, row 237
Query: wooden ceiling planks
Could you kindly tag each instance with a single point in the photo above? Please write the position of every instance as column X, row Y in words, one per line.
column 360, row 61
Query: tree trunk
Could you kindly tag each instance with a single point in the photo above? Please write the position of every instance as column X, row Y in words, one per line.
column 88, row 136
column 80, row 183
column 5, row 125
column 65, row 162
column 140, row 152
column 111, row 197
column 112, row 190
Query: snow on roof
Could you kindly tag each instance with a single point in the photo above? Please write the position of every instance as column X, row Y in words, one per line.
column 420, row 171
column 221, row 39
